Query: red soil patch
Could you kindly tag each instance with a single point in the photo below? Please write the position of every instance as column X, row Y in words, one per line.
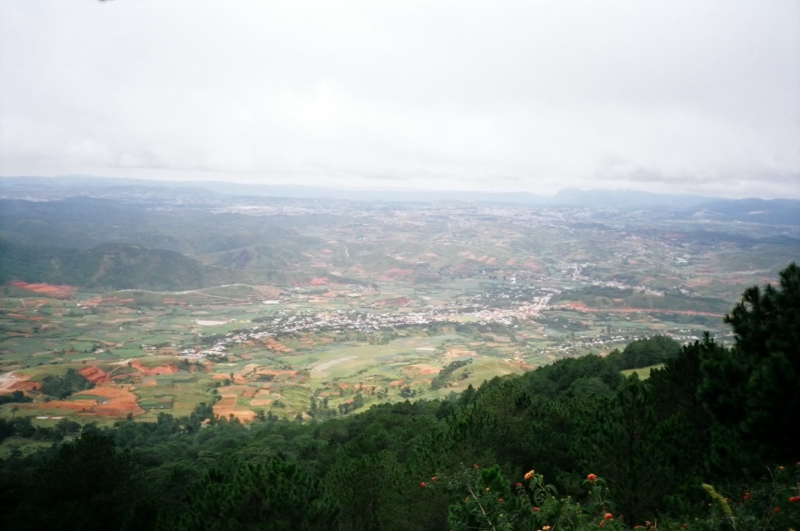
column 415, row 371
column 239, row 379
column 401, row 274
column 580, row 307
column 25, row 386
column 22, row 333
column 48, row 290
column 279, row 375
column 226, row 402
column 458, row 352
column 273, row 345
column 94, row 374
column 154, row 371
column 365, row 388
column 397, row 383
column 116, row 402
column 240, row 390
column 174, row 302
column 320, row 281
column 226, row 407
column 244, row 415
column 21, row 383
column 26, row 317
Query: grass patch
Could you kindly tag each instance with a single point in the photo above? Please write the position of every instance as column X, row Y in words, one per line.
column 643, row 373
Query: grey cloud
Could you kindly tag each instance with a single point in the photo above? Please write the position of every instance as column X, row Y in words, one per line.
column 512, row 95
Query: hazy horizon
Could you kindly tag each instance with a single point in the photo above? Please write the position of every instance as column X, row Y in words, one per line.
column 684, row 98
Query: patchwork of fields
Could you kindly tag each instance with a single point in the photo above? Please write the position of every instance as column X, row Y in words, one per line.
column 167, row 358
column 319, row 309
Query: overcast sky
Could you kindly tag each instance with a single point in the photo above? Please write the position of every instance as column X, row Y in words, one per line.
column 695, row 96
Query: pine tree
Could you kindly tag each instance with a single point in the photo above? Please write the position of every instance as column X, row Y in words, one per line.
column 624, row 444
column 277, row 496
column 753, row 390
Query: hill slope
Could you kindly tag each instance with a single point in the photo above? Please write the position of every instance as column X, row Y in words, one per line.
column 118, row 266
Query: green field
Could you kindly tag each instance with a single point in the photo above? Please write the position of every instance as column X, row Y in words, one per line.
column 643, row 373
column 520, row 287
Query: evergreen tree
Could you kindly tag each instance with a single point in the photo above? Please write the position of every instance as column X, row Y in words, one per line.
column 88, row 484
column 277, row 496
column 623, row 443
column 753, row 390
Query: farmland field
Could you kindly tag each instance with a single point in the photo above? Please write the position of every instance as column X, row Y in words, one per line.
column 346, row 305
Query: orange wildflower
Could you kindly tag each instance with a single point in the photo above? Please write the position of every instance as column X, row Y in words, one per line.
column 609, row 516
column 529, row 475
column 591, row 477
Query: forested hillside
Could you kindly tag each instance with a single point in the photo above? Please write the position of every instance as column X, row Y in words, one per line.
column 709, row 441
column 117, row 266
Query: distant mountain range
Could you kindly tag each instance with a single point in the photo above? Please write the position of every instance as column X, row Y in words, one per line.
column 775, row 211
column 772, row 212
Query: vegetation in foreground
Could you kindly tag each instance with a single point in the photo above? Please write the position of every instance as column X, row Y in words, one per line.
column 709, row 441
